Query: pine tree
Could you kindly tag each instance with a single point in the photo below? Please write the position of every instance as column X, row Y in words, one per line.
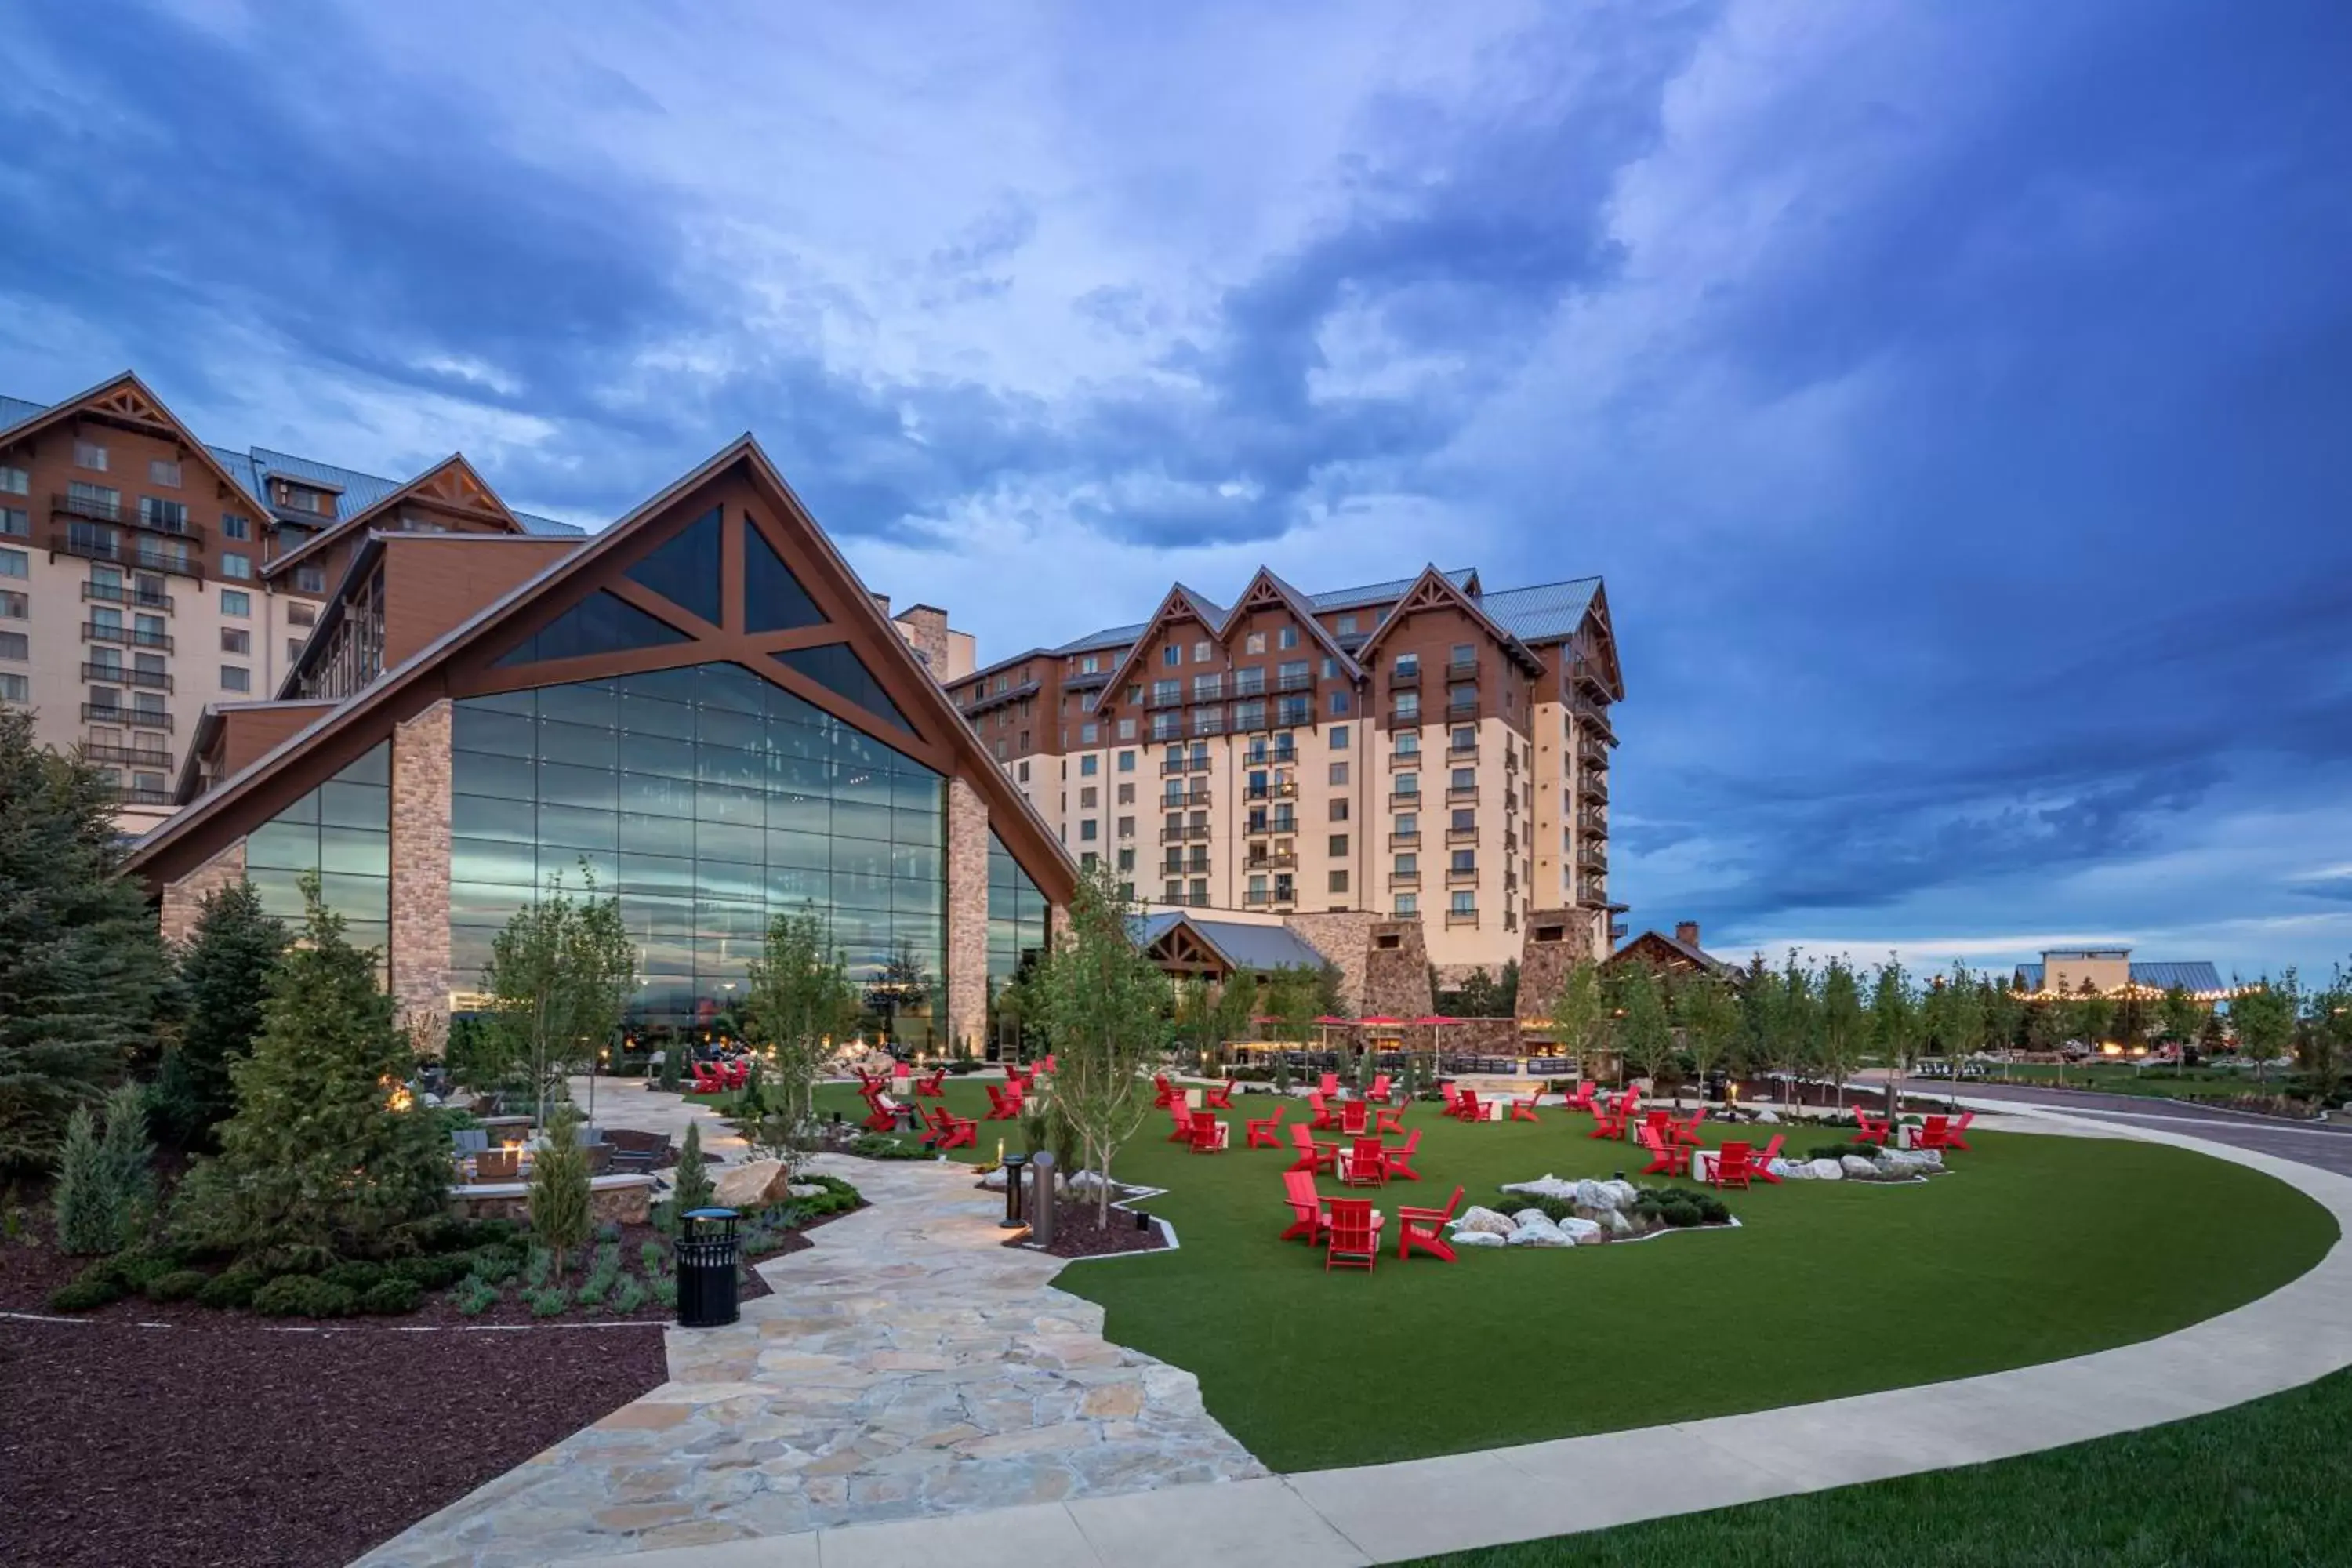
column 560, row 1207
column 88, row 1221
column 224, row 978
column 316, row 1155
column 692, row 1188
column 128, row 1160
column 81, row 966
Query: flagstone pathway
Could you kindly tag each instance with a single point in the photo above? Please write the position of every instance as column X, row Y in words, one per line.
column 907, row 1366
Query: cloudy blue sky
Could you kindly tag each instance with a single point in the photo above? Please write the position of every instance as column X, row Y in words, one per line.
column 1956, row 397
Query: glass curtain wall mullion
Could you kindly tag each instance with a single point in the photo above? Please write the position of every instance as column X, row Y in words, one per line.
column 341, row 831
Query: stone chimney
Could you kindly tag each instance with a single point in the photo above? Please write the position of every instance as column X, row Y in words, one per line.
column 925, row 627
column 1686, row 932
column 881, row 602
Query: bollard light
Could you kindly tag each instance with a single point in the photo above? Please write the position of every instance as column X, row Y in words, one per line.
column 1013, row 1220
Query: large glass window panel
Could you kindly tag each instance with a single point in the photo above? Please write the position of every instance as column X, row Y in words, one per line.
column 355, row 850
column 565, row 783
column 577, row 828
column 643, row 833
column 856, row 819
column 495, row 730
column 480, row 816
column 838, row 667
column 773, row 599
column 601, row 623
column 740, row 803
column 579, row 744
column 645, row 713
column 795, row 849
column 502, row 778
column 593, row 703
column 487, row 860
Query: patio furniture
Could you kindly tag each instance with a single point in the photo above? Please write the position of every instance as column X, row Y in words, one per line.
column 1872, row 1128
column 738, row 1074
column 1524, row 1108
column 1607, row 1123
column 1003, row 1104
column 1222, row 1099
column 1180, row 1116
column 1329, row 1085
column 1324, row 1119
column 1208, row 1133
column 1310, row 1216
column 710, row 1080
column 1164, row 1092
column 1730, row 1167
column 1379, row 1090
column 1466, row 1106
column 1353, row 1238
column 881, row 1113
column 1399, row 1158
column 932, row 1085
column 1687, row 1131
column 1426, row 1230
column 1388, row 1118
column 1313, row 1157
column 1046, row 1062
column 1364, row 1165
column 1944, row 1132
column 1760, row 1164
column 1263, row 1131
column 1665, row 1159
column 952, row 1131
column 1355, row 1117
column 1582, row 1099
column 1452, row 1097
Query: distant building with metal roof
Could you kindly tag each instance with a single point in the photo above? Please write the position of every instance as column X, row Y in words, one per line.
column 2111, row 971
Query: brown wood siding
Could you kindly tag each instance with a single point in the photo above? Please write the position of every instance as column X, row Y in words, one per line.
column 249, row 734
column 1504, row 689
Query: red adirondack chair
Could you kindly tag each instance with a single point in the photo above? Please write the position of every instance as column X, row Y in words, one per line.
column 1003, row 1104
column 1263, row 1131
column 1468, row 1108
column 1181, row 1115
column 1607, row 1123
column 1209, row 1135
column 952, row 1131
column 932, row 1085
column 1944, row 1132
column 1388, row 1118
column 1687, row 1131
column 1310, row 1216
column 881, row 1113
column 1164, row 1092
column 1354, row 1238
column 867, row 1080
column 709, row 1081
column 1523, row 1109
column 1760, row 1164
column 1329, row 1085
column 1657, row 1121
column 1379, row 1090
column 1365, row 1164
column 1630, row 1102
column 1046, row 1061
column 1313, row 1157
column 1426, row 1230
column 1453, row 1098
column 1869, row 1129
column 1355, row 1117
column 1730, row 1167
column 1582, row 1099
column 738, row 1074
column 1400, row 1158
column 1016, row 1081
column 1221, row 1099
column 1324, row 1117
column 1665, row 1159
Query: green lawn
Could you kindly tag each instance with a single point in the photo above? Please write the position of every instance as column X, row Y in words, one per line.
column 2267, row 1483
column 2113, row 1078
column 2038, row 1247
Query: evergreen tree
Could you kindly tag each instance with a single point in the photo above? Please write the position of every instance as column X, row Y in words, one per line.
column 128, row 1159
column 316, row 1155
column 224, row 973
column 673, row 1066
column 560, row 1208
column 81, row 966
column 691, row 1189
column 88, row 1219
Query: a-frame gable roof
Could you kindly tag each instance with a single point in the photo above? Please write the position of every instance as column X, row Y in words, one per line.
column 1433, row 590
column 127, row 398
column 452, row 482
column 1603, row 641
column 1266, row 589
column 617, row 605
column 1178, row 600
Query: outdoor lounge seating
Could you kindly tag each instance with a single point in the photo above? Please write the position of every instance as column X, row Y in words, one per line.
column 1208, row 1135
column 710, row 1080
column 1221, row 1099
column 1328, row 1085
column 1607, row 1123
column 1582, row 1099
column 1355, row 1117
column 932, row 1085
column 1523, row 1107
column 1324, row 1118
column 1364, row 1164
column 1003, row 1104
column 1466, row 1106
column 1263, row 1131
column 1309, row 1215
column 1313, row 1157
column 1729, row 1168
column 1760, row 1164
column 1400, row 1158
column 1164, row 1092
column 1180, row 1116
column 881, row 1113
column 1379, row 1090
column 1353, row 1238
column 1869, row 1129
column 1944, row 1132
column 948, row 1131
column 1388, row 1118
column 1426, row 1230
column 1687, row 1131
column 1665, row 1159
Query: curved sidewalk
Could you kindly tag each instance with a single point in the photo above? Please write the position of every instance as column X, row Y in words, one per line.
column 1386, row 1513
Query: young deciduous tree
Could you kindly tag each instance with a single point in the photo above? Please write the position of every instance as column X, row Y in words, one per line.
column 1845, row 1025
column 1645, row 1038
column 223, row 969
column 1893, row 1025
column 2324, row 1038
column 2177, row 1015
column 1709, row 1017
column 559, row 980
column 1581, row 1014
column 1793, row 1019
column 799, row 997
column 81, row 967
column 1104, row 1006
column 2265, row 1017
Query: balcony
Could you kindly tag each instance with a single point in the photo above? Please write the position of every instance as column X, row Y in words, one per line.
column 1510, row 843
column 1281, row 860
column 124, row 593
column 1405, row 717
column 1594, row 822
column 1404, row 759
column 1399, row 881
column 1404, row 800
column 1462, row 670
column 1209, row 688
column 123, row 675
column 987, row 700
column 1087, row 681
column 1404, row 674
column 1199, row 830
column 128, row 757
column 116, row 553
column 1257, row 898
column 1593, row 857
column 123, row 796
column 1462, row 876
column 1404, row 840
column 1282, row 790
column 1159, row 699
column 1279, row 757
column 1592, row 891
column 1246, row 685
column 1591, row 753
column 1295, row 682
column 1461, row 836
column 1462, row 794
column 1461, row 710
column 1462, row 917
column 1172, row 766
column 134, row 517
column 1587, row 673
column 1618, row 931
column 135, row 717
column 129, row 636
column 1171, row 836
column 1459, row 754
column 1592, row 786
column 1588, row 712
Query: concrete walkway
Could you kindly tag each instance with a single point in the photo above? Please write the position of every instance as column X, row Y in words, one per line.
column 1385, row 1513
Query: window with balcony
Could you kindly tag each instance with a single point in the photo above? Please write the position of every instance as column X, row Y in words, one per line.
column 1292, row 675
column 1464, row 903
column 1408, row 784
column 1292, row 712
column 1167, row 693
column 1464, row 820
column 1201, row 892
column 1407, row 822
column 1465, row 738
column 1406, row 904
column 1463, row 861
column 1173, row 891
column 91, row 455
column 1406, row 865
column 1249, row 716
column 1250, row 681
column 1408, row 707
column 1167, row 726
column 1208, row 721
column 86, row 500
column 171, row 516
column 1463, row 778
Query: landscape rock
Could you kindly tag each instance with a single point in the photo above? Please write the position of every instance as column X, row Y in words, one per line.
column 754, row 1184
column 1527, row 1216
column 1769, row 1118
column 1541, row 1233
column 1477, row 1238
column 1618, row 1224
column 1479, row 1220
column 1545, row 1186
column 1594, row 1196
column 1792, row 1170
column 994, row 1180
column 1931, row 1158
column 1855, row 1165
column 1583, row 1232
column 1827, row 1170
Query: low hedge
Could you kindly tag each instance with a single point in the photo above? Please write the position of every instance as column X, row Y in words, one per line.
column 304, row 1296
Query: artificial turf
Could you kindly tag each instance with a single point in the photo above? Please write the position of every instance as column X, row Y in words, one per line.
column 2035, row 1248
column 2267, row 1483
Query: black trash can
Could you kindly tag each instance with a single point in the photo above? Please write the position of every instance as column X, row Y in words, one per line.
column 707, row 1244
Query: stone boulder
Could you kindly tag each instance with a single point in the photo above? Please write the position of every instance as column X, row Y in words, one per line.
column 1545, row 1186
column 1933, row 1159
column 1539, row 1232
column 1828, row 1171
column 1767, row 1118
column 1619, row 1224
column 754, row 1184
column 1621, row 1193
column 994, row 1180
column 1479, row 1220
column 1594, row 1196
column 1855, row 1165
column 1792, row 1170
column 1478, row 1238
column 1583, row 1232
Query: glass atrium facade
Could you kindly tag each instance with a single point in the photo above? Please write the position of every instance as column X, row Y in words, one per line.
column 707, row 800
column 342, row 831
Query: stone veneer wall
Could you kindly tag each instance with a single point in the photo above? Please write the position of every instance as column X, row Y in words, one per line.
column 1344, row 937
column 1396, row 979
column 184, row 900
column 1544, row 966
column 967, row 950
column 420, row 867
column 926, row 631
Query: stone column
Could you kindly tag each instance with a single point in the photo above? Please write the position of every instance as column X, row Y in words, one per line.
column 967, row 1004
column 184, row 900
column 420, row 867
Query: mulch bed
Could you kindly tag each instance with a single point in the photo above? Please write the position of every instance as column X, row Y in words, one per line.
column 1076, row 1234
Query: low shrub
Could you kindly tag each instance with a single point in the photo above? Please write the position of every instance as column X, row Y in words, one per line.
column 542, row 1264
column 434, row 1270
column 135, row 1267
column 666, row 1289
column 85, row 1295
column 1840, row 1151
column 391, row 1297
column 294, row 1257
column 627, row 1296
column 652, row 1256
column 882, row 1146
column 304, row 1296
column 231, row 1288
column 180, row 1285
column 496, row 1265
column 357, row 1278
column 959, row 1068
column 548, row 1302
column 475, row 1296
column 838, row 1197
